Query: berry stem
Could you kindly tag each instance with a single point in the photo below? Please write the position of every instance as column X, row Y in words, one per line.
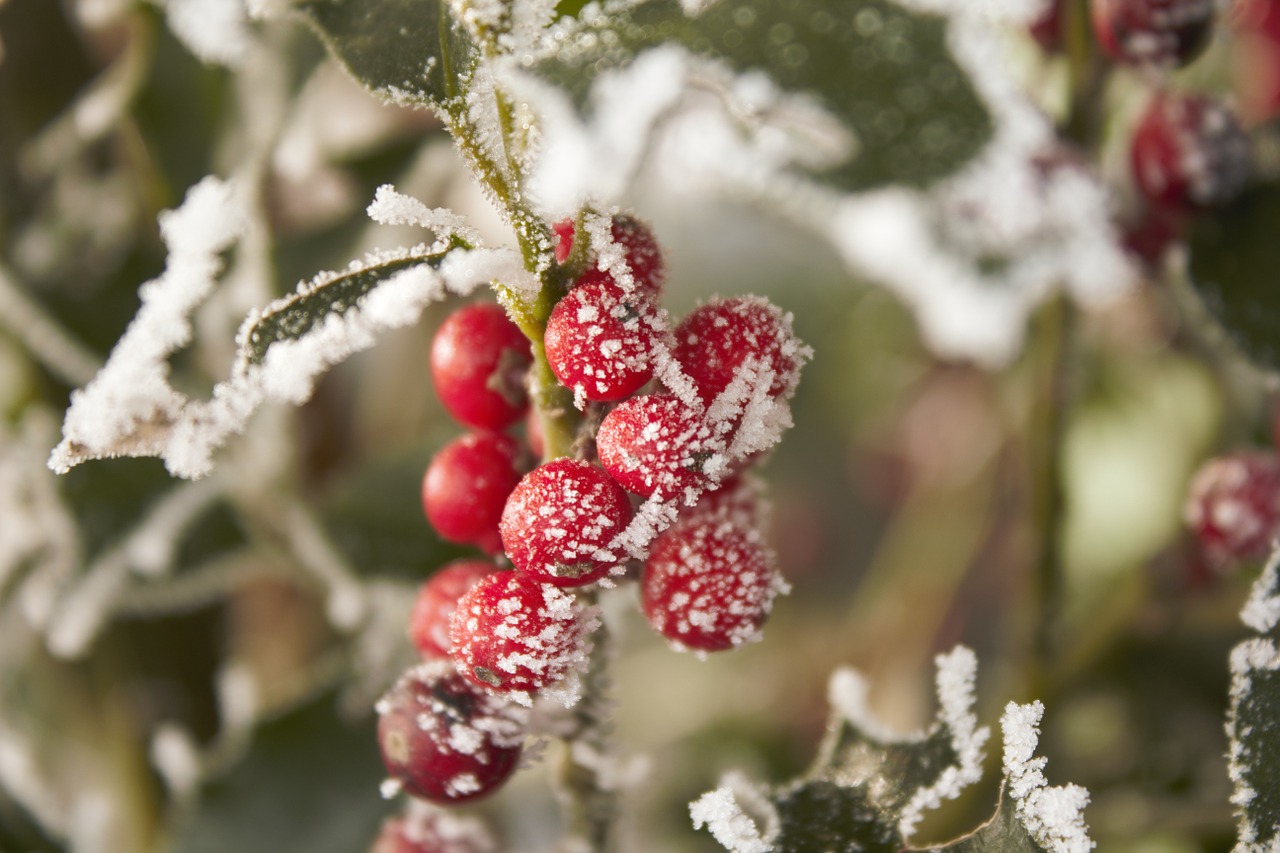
column 590, row 806
column 1048, row 430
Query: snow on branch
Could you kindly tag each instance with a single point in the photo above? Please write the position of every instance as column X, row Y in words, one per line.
column 130, row 408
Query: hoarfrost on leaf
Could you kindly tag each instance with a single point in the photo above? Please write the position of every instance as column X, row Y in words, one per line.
column 1262, row 609
column 216, row 31
column 1053, row 816
column 130, row 409
column 723, row 816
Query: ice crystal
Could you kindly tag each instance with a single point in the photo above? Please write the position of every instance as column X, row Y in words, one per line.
column 1054, row 816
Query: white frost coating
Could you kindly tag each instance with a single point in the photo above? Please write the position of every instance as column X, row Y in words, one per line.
column 957, row 671
column 216, row 31
column 393, row 208
column 1256, row 655
column 709, row 132
column 1262, row 610
column 130, row 409
column 1054, row 816
column 722, row 814
column 847, row 695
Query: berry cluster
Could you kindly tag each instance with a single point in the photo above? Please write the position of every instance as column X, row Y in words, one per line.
column 1188, row 153
column 678, row 415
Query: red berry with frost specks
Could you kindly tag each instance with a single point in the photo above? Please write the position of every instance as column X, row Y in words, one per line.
column 558, row 523
column 511, row 632
column 466, row 486
column 1188, row 151
column 424, row 829
column 1233, row 507
column 640, row 251
column 718, row 338
column 709, row 584
column 1160, row 34
column 479, row 359
column 1047, row 29
column 437, row 599
column 445, row 740
column 657, row 445
column 600, row 341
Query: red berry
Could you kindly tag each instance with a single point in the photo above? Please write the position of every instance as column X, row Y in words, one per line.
column 1233, row 507
column 640, row 251
column 1152, row 33
column 709, row 584
column 513, row 633
column 466, row 486
column 559, row 521
column 479, row 359
column 426, row 830
column 1047, row 29
column 445, row 740
column 718, row 338
column 601, row 342
column 437, row 599
column 656, row 444
column 1188, row 151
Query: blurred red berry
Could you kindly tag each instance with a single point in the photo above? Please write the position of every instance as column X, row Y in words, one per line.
column 466, row 486
column 1160, row 34
column 1233, row 507
column 1188, row 151
column 437, row 598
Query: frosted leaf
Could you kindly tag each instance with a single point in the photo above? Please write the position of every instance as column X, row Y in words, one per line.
column 393, row 208
column 1262, row 609
column 1054, row 816
column 723, row 816
column 216, row 31
column 1254, row 751
column 129, row 408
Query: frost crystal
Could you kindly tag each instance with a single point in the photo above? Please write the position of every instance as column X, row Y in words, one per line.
column 1262, row 611
column 216, row 31
column 723, row 816
column 130, row 409
column 955, row 681
column 1054, row 816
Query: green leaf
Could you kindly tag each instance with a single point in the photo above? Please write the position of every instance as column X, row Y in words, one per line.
column 1234, row 259
column 1253, row 727
column 309, row 782
column 824, row 815
column 1004, row 833
column 884, row 72
column 404, row 50
column 328, row 294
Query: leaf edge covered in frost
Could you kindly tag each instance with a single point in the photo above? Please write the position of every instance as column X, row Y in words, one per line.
column 1249, row 659
column 130, row 408
column 854, row 733
column 1052, row 815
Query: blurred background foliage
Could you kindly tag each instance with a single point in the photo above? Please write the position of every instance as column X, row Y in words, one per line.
column 1032, row 514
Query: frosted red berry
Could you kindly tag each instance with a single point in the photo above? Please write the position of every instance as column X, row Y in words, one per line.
column 1188, row 151
column 1160, row 34
column 511, row 632
column 437, row 599
column 466, row 486
column 1047, row 28
column 658, row 445
column 559, row 522
column 479, row 359
column 601, row 341
column 639, row 249
column 424, row 829
column 445, row 740
column 718, row 338
column 709, row 584
column 1233, row 507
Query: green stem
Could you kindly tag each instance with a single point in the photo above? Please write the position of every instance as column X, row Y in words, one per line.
column 1048, row 432
column 590, row 807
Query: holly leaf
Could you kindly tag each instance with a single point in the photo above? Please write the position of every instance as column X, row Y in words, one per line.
column 1004, row 833
column 407, row 51
column 883, row 72
column 328, row 294
column 1234, row 256
column 1253, row 727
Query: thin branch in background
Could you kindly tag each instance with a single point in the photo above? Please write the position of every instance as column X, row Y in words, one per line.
column 44, row 337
